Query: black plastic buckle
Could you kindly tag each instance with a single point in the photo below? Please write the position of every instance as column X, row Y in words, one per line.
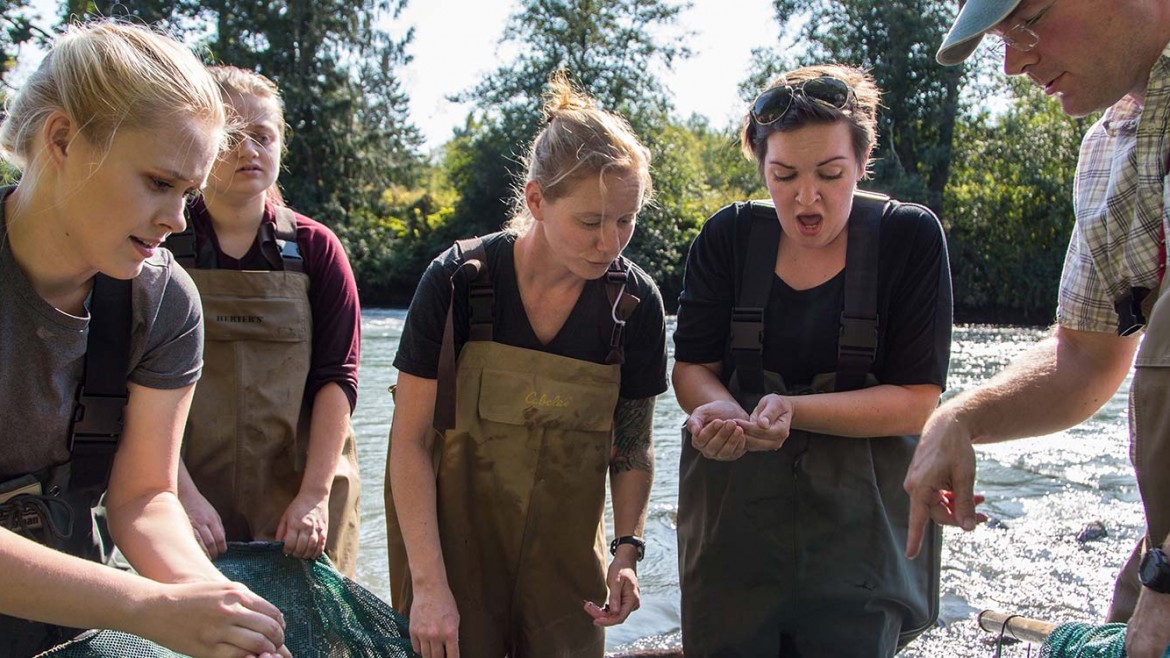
column 1130, row 318
column 97, row 419
column 858, row 335
column 747, row 328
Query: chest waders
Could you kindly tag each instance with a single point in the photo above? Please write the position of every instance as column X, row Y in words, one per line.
column 521, row 471
column 248, row 432
column 58, row 508
column 799, row 552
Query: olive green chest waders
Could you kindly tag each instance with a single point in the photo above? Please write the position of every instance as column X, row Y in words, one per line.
column 248, row 431
column 799, row 552
column 521, row 498
column 59, row 506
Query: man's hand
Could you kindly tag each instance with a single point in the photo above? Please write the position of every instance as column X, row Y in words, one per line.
column 941, row 479
column 1147, row 634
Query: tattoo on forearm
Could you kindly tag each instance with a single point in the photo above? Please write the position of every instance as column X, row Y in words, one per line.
column 633, row 445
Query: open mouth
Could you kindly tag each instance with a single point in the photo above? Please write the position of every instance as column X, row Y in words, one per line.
column 809, row 223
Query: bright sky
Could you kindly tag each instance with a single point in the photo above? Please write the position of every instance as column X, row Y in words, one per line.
column 455, row 44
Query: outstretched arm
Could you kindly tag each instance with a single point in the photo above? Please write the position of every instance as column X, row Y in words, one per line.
column 1059, row 383
column 181, row 601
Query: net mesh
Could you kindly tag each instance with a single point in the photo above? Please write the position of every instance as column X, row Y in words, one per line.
column 326, row 614
column 1077, row 640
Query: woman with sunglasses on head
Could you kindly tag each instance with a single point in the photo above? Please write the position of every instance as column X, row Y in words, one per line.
column 100, row 345
column 813, row 341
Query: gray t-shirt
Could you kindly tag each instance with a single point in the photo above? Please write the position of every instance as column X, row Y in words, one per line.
column 42, row 352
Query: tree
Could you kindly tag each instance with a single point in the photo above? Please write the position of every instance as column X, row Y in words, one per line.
column 613, row 48
column 344, row 104
column 1011, row 207
column 896, row 41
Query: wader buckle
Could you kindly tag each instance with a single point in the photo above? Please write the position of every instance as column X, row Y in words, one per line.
column 98, row 419
column 858, row 335
column 1130, row 317
column 747, row 328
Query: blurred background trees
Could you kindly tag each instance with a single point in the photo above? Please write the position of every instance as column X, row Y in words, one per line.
column 994, row 158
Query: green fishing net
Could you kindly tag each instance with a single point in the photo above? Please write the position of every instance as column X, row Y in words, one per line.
column 1077, row 640
column 326, row 614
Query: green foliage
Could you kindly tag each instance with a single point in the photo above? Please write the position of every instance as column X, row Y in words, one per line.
column 391, row 244
column 612, row 48
column 16, row 29
column 350, row 138
column 1011, row 212
column 895, row 40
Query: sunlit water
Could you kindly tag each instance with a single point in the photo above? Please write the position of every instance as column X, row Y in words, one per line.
column 1040, row 494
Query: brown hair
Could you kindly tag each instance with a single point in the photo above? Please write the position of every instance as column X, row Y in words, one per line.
column 860, row 113
column 578, row 140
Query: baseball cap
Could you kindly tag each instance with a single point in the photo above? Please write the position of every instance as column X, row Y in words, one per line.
column 975, row 17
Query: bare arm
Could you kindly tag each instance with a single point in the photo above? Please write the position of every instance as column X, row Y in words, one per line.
column 1059, row 383
column 410, row 473
column 631, row 472
column 883, row 410
column 304, row 527
column 183, row 603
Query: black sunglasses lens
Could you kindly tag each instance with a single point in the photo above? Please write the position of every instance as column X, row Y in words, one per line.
column 830, row 91
column 771, row 105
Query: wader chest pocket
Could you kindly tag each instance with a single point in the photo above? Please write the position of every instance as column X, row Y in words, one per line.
column 533, row 399
column 258, row 319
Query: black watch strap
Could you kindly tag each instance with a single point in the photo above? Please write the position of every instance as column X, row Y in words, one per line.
column 1154, row 571
column 636, row 542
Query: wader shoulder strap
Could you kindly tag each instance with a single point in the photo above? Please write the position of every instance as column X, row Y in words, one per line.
column 857, row 340
column 472, row 272
column 278, row 245
column 621, row 304
column 278, row 242
column 183, row 246
column 101, row 397
column 754, row 284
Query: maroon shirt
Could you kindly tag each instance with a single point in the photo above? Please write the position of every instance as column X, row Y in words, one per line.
column 333, row 297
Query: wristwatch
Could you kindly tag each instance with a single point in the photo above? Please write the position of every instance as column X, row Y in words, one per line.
column 636, row 542
column 1155, row 571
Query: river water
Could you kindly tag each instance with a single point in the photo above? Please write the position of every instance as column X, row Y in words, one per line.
column 1041, row 493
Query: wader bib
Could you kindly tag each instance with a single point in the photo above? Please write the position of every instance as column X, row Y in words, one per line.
column 59, row 506
column 248, row 433
column 521, row 498
column 1149, row 449
column 799, row 552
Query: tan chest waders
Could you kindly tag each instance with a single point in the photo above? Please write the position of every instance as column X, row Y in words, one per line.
column 521, row 495
column 248, row 431
column 800, row 551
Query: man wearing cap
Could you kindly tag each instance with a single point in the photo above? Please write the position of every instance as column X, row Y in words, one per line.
column 1091, row 55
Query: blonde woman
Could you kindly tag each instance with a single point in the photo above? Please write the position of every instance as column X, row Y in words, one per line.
column 114, row 131
column 502, row 554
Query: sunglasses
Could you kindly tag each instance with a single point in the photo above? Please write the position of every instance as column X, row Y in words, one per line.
column 771, row 106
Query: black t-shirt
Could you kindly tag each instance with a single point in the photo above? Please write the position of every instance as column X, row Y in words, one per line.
column 585, row 335
column 801, row 326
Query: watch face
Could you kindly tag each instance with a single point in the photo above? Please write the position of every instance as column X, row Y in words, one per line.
column 1154, row 571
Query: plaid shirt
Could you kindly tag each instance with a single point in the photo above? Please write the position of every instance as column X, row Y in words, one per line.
column 1120, row 196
